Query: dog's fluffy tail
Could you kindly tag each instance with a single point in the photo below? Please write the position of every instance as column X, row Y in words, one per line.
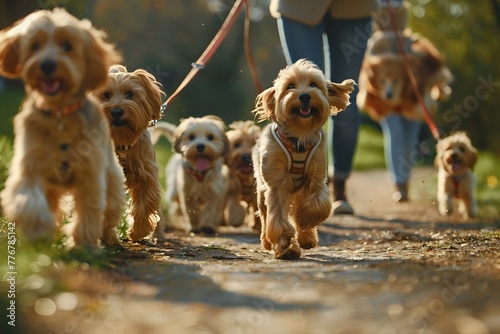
column 162, row 128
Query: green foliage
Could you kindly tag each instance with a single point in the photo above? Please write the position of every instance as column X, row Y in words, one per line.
column 370, row 150
column 6, row 153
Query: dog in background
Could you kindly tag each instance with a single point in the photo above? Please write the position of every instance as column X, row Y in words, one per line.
column 195, row 184
column 290, row 156
column 62, row 141
column 384, row 85
column 454, row 160
column 131, row 102
column 242, row 136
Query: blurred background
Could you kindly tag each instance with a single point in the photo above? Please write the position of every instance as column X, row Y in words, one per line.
column 166, row 36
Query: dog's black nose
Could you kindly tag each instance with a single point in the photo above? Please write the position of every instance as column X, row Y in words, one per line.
column 200, row 147
column 389, row 95
column 454, row 155
column 48, row 66
column 304, row 99
column 116, row 113
column 246, row 158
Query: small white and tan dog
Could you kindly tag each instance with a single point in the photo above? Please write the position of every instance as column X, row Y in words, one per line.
column 454, row 160
column 290, row 157
column 195, row 184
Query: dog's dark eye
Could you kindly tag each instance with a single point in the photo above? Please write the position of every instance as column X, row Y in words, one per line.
column 129, row 95
column 237, row 144
column 291, row 86
column 35, row 46
column 107, row 95
column 66, row 46
column 210, row 137
column 191, row 137
column 313, row 84
column 462, row 149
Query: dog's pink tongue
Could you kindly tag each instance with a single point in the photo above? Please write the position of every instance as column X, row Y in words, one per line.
column 455, row 166
column 202, row 164
column 305, row 112
column 51, row 86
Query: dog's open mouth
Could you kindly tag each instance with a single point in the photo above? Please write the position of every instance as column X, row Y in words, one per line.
column 118, row 122
column 455, row 164
column 51, row 86
column 304, row 113
column 245, row 168
column 202, row 163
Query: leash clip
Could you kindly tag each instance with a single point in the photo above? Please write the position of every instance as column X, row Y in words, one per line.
column 197, row 66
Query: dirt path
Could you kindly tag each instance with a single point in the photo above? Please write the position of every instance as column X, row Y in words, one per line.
column 391, row 268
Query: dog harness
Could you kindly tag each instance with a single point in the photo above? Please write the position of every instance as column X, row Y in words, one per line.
column 298, row 156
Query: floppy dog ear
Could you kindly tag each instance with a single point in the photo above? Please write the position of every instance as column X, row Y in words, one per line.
column 153, row 91
column 472, row 155
column 338, row 95
column 265, row 105
column 439, row 155
column 10, row 66
column 99, row 56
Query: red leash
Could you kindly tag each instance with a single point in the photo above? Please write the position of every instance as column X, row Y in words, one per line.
column 214, row 45
column 413, row 80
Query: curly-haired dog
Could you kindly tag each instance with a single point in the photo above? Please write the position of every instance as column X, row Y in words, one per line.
column 62, row 141
column 454, row 160
column 195, row 184
column 242, row 136
column 131, row 102
column 290, row 157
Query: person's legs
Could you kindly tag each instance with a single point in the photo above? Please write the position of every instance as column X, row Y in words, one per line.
column 400, row 141
column 300, row 40
column 347, row 40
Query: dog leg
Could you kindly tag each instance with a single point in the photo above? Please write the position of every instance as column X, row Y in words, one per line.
column 279, row 232
column 307, row 239
column 234, row 212
column 115, row 203
column 261, row 214
column 312, row 206
column 25, row 203
column 445, row 203
column 90, row 203
column 467, row 206
column 159, row 232
column 146, row 201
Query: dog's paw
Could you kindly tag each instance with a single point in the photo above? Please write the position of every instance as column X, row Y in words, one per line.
column 308, row 239
column 289, row 251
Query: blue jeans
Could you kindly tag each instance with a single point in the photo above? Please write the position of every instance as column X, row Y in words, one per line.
column 337, row 47
column 400, row 146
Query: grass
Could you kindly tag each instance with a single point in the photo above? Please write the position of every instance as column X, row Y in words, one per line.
column 10, row 101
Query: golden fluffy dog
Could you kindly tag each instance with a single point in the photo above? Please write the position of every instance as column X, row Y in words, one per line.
column 454, row 160
column 290, row 157
column 242, row 136
column 131, row 102
column 62, row 140
column 384, row 85
column 195, row 184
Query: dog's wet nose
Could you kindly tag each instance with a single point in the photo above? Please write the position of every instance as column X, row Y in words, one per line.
column 304, row 99
column 48, row 66
column 246, row 158
column 116, row 112
column 200, row 147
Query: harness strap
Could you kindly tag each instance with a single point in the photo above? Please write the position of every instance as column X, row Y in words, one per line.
column 298, row 156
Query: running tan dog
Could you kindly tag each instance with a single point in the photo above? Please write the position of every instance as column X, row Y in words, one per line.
column 62, row 140
column 131, row 102
column 290, row 157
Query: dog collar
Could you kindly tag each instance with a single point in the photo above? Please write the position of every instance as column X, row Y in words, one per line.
column 292, row 143
column 67, row 110
column 121, row 151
